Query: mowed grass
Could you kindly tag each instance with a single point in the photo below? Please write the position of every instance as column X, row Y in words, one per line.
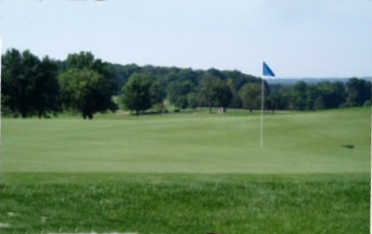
column 187, row 173
column 191, row 143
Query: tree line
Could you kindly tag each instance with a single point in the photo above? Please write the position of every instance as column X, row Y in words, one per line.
column 33, row 86
column 322, row 95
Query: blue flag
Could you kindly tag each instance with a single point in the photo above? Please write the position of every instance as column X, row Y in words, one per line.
column 266, row 71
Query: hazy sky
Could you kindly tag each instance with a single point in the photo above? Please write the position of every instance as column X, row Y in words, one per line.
column 298, row 38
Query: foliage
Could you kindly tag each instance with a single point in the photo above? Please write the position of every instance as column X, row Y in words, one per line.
column 29, row 86
column 207, row 92
column 236, row 101
column 157, row 95
column 83, row 93
column 179, row 82
column 223, row 94
column 299, row 95
column 86, row 91
column 178, row 92
column 358, row 92
column 47, row 90
column 276, row 101
column 322, row 95
column 136, row 94
column 193, row 100
column 319, row 103
column 250, row 96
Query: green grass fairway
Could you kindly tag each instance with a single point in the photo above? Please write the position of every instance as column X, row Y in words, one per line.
column 187, row 173
column 191, row 143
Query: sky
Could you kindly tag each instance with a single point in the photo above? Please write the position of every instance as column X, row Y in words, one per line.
column 303, row 38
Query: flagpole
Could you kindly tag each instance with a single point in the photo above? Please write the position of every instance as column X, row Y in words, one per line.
column 262, row 111
column 266, row 72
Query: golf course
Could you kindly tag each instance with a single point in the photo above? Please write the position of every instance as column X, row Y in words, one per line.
column 188, row 172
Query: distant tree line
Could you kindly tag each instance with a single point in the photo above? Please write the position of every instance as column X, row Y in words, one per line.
column 322, row 95
column 184, row 88
column 81, row 83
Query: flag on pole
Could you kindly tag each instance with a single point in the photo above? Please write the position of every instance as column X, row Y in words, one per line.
column 266, row 70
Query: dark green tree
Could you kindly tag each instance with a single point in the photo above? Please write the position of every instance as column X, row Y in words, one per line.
column 299, row 95
column 276, row 101
column 236, row 101
column 319, row 103
column 332, row 93
column 136, row 94
column 86, row 91
column 223, row 94
column 193, row 100
column 86, row 60
column 157, row 95
column 178, row 91
column 358, row 91
column 29, row 86
column 13, row 84
column 19, row 71
column 250, row 96
column 46, row 93
column 313, row 94
column 214, row 92
column 207, row 92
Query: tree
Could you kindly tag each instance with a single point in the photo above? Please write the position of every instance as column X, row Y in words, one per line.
column 278, row 97
column 178, row 91
column 87, row 85
column 207, row 92
column 275, row 101
column 223, row 94
column 29, row 86
column 14, row 84
column 250, row 96
column 236, row 101
column 214, row 92
column 299, row 95
column 319, row 103
column 86, row 60
column 157, row 95
column 333, row 94
column 121, row 74
column 312, row 94
column 193, row 100
column 46, row 93
column 136, row 95
column 358, row 91
column 86, row 91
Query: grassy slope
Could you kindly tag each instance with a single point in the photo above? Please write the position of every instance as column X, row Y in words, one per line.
column 208, row 174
